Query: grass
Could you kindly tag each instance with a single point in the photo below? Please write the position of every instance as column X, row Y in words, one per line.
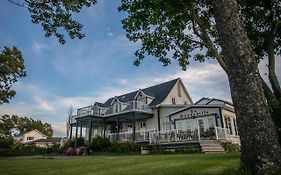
column 178, row 164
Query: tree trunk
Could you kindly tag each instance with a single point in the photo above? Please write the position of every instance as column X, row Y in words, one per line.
column 271, row 67
column 259, row 142
column 267, row 92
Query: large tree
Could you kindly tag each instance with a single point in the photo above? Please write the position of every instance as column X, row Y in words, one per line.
column 11, row 69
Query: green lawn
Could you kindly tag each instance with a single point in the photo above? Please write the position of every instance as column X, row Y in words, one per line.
column 127, row 165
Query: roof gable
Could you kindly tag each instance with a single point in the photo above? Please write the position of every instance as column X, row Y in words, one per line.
column 159, row 92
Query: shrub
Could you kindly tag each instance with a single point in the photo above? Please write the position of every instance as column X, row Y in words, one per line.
column 76, row 151
column 70, row 151
column 124, row 147
column 230, row 147
column 100, row 144
column 6, row 142
column 71, row 143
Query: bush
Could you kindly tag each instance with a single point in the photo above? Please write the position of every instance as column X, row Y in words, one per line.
column 6, row 142
column 100, row 144
column 71, row 143
column 124, row 147
column 230, row 147
column 76, row 151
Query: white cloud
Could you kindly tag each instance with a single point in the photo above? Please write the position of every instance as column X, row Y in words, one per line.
column 39, row 47
column 110, row 34
column 201, row 80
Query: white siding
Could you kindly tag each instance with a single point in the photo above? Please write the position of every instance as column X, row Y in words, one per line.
column 183, row 98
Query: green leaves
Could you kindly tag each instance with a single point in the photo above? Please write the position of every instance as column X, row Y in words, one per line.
column 11, row 69
column 167, row 29
column 56, row 15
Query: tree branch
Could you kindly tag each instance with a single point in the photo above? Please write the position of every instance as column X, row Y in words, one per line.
column 205, row 37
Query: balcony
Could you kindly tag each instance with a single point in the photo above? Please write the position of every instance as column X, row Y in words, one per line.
column 120, row 108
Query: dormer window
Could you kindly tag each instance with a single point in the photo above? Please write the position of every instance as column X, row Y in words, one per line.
column 173, row 101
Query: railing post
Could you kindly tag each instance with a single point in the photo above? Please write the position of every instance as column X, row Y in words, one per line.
column 90, row 132
column 134, row 126
column 70, row 134
column 224, row 130
column 198, row 132
column 117, row 136
column 216, row 132
column 76, row 135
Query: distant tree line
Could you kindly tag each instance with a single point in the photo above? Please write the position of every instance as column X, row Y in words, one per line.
column 14, row 123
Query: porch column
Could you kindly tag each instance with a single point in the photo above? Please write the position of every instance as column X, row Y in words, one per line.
column 90, row 133
column 76, row 134
column 104, row 128
column 117, row 121
column 80, row 131
column 134, row 126
column 70, row 135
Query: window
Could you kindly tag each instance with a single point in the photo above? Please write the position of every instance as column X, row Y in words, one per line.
column 30, row 138
column 201, row 124
column 179, row 125
column 235, row 127
column 142, row 125
column 173, row 101
column 187, row 125
column 211, row 122
column 227, row 121
column 166, row 126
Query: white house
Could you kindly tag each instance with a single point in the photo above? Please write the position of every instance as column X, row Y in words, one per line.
column 48, row 142
column 30, row 136
column 158, row 114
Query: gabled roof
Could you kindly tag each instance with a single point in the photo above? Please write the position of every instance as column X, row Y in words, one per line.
column 210, row 100
column 193, row 106
column 51, row 139
column 20, row 135
column 159, row 92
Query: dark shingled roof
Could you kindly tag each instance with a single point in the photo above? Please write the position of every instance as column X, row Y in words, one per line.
column 52, row 139
column 159, row 92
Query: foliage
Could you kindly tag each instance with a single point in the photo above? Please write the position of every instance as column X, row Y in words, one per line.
column 262, row 19
column 6, row 142
column 23, row 124
column 11, row 69
column 26, row 150
column 71, row 143
column 57, row 15
column 275, row 107
column 100, row 144
column 123, row 147
column 76, row 151
column 230, row 147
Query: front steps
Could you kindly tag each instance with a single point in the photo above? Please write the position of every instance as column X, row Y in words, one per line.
column 211, row 146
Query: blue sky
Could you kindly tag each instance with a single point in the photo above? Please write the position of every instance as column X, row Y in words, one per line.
column 92, row 69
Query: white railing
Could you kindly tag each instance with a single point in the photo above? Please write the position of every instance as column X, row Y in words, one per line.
column 222, row 134
column 156, row 137
column 141, row 135
column 111, row 110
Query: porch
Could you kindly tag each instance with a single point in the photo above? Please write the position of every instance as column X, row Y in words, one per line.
column 153, row 136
